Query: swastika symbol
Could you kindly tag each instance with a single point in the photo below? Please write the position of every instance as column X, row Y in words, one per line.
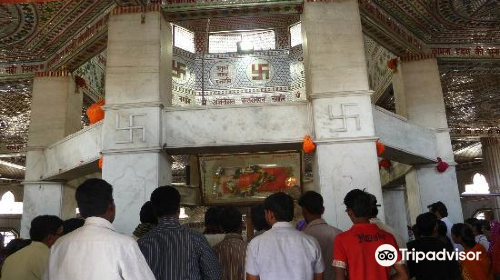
column 260, row 72
column 344, row 116
column 178, row 69
column 130, row 128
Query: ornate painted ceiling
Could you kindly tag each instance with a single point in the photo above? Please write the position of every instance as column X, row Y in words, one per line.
column 38, row 32
column 447, row 21
column 35, row 31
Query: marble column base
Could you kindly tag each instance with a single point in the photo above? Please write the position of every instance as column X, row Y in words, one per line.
column 434, row 186
column 134, row 176
column 40, row 199
column 341, row 167
column 394, row 199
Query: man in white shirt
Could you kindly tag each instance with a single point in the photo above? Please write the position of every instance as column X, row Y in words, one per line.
column 312, row 210
column 95, row 251
column 441, row 212
column 283, row 252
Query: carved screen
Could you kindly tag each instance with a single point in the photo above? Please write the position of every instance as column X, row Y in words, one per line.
column 296, row 34
column 226, row 42
column 183, row 39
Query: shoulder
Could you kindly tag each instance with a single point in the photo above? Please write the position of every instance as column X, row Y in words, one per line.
column 413, row 244
column 343, row 235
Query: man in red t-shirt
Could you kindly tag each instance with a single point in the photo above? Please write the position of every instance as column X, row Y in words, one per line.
column 354, row 250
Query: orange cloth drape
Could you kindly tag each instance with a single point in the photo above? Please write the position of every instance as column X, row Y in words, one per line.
column 477, row 269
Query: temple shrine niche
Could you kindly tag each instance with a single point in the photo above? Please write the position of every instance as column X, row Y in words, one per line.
column 238, row 60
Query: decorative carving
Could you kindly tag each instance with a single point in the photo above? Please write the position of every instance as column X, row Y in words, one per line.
column 344, row 116
column 130, row 128
column 260, row 71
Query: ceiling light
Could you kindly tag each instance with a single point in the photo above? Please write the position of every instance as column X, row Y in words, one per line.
column 17, row 166
column 245, row 47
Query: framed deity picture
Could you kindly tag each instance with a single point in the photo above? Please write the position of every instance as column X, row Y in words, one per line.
column 249, row 178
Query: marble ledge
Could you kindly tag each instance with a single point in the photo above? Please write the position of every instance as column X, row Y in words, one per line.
column 346, row 140
column 250, row 105
column 67, row 169
column 97, row 125
column 339, row 93
column 24, row 183
column 433, row 165
column 118, row 106
column 440, row 130
column 387, row 112
column 156, row 149
column 232, row 144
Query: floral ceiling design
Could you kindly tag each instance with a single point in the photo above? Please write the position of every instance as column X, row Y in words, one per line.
column 448, row 21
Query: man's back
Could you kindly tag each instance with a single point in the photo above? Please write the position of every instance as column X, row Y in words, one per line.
column 96, row 252
column 284, row 253
column 355, row 249
column 325, row 235
column 29, row 263
column 231, row 253
column 431, row 270
column 174, row 252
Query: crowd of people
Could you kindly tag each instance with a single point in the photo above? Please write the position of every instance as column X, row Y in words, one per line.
column 163, row 249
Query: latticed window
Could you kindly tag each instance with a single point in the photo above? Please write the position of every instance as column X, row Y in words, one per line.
column 183, row 38
column 226, row 42
column 296, row 34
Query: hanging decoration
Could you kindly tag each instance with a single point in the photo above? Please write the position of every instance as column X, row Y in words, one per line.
column 100, row 162
column 380, row 148
column 385, row 163
column 308, row 145
column 80, row 82
column 393, row 64
column 95, row 112
column 442, row 165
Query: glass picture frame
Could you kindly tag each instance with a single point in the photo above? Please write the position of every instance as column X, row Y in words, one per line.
column 246, row 179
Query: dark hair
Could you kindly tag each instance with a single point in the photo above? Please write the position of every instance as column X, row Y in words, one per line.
column 212, row 216
column 440, row 208
column 147, row 214
column 166, row 201
column 281, row 204
column 465, row 233
column 312, row 202
column 479, row 225
column 230, row 220
column 415, row 231
column 426, row 223
column 374, row 206
column 43, row 226
column 72, row 224
column 15, row 245
column 360, row 202
column 258, row 217
column 470, row 221
column 93, row 197
column 442, row 228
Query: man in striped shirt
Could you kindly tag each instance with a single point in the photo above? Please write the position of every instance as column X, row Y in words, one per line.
column 231, row 251
column 172, row 251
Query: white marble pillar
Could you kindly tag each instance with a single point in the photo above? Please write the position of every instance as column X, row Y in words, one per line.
column 138, row 86
column 394, row 198
column 337, row 84
column 420, row 85
column 491, row 164
column 55, row 113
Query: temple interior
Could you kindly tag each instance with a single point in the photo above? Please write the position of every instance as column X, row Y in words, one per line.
column 217, row 97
